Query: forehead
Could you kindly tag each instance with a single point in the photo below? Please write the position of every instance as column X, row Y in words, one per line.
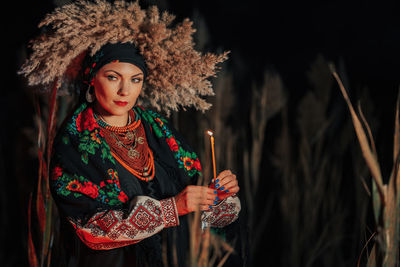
column 121, row 68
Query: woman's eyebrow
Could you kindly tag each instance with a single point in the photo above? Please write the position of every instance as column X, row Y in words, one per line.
column 137, row 74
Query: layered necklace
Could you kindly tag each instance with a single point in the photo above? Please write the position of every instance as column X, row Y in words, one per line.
column 129, row 146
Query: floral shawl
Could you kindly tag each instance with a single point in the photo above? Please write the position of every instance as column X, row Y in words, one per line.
column 84, row 171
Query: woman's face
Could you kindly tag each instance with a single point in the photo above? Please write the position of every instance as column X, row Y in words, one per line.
column 117, row 86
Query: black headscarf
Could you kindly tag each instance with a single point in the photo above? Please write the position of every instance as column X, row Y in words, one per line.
column 118, row 52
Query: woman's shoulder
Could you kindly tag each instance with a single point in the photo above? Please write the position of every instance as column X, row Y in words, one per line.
column 149, row 114
column 183, row 153
column 80, row 118
column 78, row 122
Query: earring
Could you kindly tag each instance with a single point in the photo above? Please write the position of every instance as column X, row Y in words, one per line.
column 89, row 97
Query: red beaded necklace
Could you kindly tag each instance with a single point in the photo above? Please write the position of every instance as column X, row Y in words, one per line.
column 129, row 146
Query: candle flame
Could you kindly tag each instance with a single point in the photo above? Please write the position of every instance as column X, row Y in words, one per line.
column 210, row 133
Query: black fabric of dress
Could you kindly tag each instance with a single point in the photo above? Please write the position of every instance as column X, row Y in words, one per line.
column 168, row 182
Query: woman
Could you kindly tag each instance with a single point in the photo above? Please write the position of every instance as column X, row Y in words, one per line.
column 122, row 178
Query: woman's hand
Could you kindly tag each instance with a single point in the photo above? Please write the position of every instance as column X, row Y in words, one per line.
column 226, row 183
column 194, row 197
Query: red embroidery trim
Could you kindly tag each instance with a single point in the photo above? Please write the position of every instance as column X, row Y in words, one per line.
column 170, row 212
column 108, row 230
column 222, row 214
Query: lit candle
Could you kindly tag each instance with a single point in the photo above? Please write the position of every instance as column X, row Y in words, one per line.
column 212, row 153
column 222, row 192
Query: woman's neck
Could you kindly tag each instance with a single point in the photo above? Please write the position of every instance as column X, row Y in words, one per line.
column 112, row 120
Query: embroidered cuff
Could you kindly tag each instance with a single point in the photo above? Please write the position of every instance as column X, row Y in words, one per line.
column 170, row 212
column 222, row 214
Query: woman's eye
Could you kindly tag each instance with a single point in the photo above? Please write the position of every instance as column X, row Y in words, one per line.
column 136, row 80
column 111, row 77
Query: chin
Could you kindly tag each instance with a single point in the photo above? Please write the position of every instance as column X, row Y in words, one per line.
column 120, row 112
column 115, row 110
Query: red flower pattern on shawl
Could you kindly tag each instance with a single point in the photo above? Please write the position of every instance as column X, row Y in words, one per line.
column 89, row 189
column 86, row 121
column 197, row 165
column 173, row 145
column 122, row 197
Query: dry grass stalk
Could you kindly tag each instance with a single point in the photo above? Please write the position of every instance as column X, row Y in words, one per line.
column 368, row 154
column 207, row 248
column 396, row 141
column 267, row 101
column 32, row 257
column 45, row 123
column 196, row 240
column 367, row 128
column 310, row 189
column 311, row 176
column 386, row 198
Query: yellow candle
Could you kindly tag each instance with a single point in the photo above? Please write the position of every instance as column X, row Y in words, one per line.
column 212, row 153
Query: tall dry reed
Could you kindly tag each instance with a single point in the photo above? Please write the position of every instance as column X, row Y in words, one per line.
column 206, row 247
column 40, row 202
column 266, row 101
column 312, row 211
column 385, row 195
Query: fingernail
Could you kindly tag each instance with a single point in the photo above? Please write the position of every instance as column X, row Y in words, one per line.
column 215, row 192
column 215, row 202
column 210, row 207
column 226, row 191
column 216, row 181
column 222, row 188
column 217, row 198
column 217, row 185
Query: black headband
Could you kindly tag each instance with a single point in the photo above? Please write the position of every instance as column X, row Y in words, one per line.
column 121, row 52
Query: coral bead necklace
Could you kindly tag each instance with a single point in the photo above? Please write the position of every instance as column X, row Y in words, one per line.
column 129, row 146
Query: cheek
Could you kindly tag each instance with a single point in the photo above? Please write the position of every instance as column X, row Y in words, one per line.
column 138, row 89
column 98, row 91
column 103, row 91
column 103, row 98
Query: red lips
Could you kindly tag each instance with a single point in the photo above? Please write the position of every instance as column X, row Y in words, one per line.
column 121, row 103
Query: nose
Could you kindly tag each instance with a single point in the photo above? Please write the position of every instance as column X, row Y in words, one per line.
column 125, row 89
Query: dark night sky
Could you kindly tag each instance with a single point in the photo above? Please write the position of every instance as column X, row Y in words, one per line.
column 288, row 34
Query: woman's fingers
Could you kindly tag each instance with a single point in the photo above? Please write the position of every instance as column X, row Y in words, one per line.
column 229, row 183
column 193, row 198
column 225, row 182
column 202, row 192
column 196, row 197
column 231, row 187
column 204, row 207
column 222, row 175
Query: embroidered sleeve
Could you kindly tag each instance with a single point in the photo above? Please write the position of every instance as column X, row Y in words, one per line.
column 108, row 230
column 222, row 214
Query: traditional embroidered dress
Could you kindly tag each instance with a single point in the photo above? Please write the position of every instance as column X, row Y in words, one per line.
column 119, row 217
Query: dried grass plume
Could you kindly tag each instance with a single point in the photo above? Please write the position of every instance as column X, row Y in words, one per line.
column 178, row 74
